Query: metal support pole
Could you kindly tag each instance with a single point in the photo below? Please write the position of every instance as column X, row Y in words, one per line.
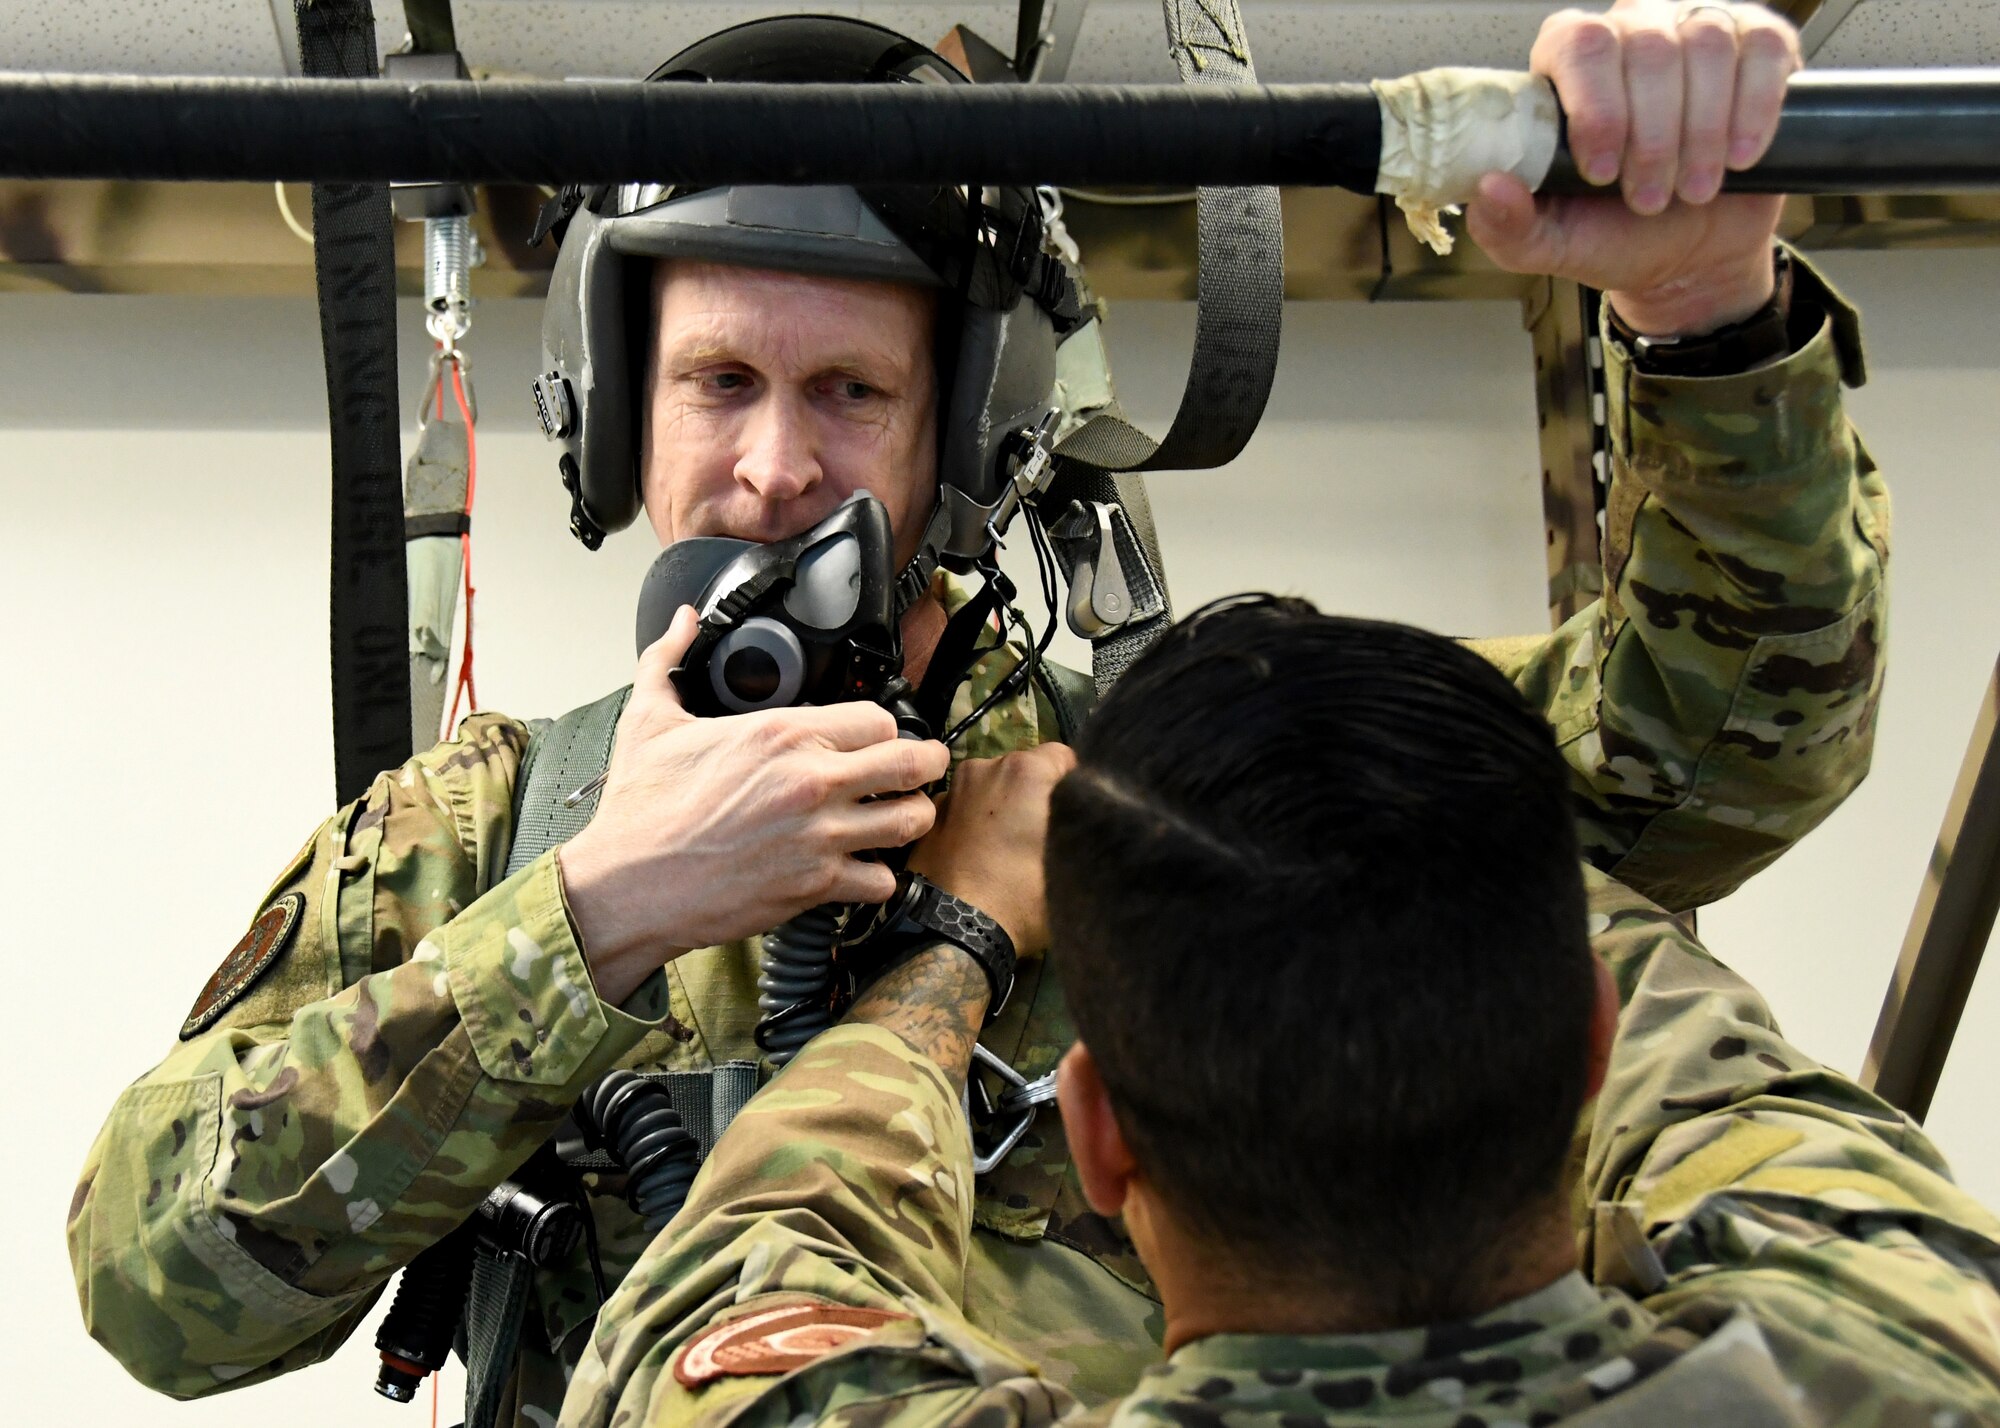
column 1948, row 931
column 1569, row 389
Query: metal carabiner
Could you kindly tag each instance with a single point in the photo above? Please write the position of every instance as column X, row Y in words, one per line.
column 434, row 385
column 1018, row 1104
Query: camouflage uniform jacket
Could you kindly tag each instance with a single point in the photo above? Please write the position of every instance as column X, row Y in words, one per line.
column 1772, row 1246
column 427, row 1021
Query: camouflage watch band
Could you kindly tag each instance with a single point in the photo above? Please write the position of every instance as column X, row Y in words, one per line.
column 954, row 920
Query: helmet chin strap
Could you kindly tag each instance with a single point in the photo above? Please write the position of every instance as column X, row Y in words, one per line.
column 915, row 579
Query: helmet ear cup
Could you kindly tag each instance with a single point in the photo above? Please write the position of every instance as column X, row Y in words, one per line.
column 1004, row 379
column 586, row 347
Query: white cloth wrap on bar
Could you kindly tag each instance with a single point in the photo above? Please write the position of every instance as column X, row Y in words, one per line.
column 1442, row 129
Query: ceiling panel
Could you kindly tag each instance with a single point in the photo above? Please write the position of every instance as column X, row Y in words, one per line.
column 141, row 37
column 1877, row 33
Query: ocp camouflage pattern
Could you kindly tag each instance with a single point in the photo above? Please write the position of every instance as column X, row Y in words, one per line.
column 431, row 1022
column 1771, row 1246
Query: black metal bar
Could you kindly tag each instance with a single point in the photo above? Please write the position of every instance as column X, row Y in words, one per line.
column 1862, row 131
column 1873, row 131
column 1948, row 931
column 72, row 126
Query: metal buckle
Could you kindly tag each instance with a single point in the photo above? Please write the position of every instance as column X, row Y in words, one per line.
column 1100, row 598
column 1004, row 1119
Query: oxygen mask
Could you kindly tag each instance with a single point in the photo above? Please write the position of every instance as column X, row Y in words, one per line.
column 809, row 620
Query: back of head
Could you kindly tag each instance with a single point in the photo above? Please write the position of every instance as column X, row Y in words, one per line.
column 1314, row 895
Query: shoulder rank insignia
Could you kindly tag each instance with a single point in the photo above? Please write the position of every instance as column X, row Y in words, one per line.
column 247, row 961
column 775, row 1341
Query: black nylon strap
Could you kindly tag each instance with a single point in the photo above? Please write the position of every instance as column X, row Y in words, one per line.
column 1239, row 288
column 495, row 1307
column 442, row 523
column 1239, row 307
column 354, row 261
column 1114, row 653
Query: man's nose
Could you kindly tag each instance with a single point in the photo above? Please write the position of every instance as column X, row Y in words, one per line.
column 779, row 459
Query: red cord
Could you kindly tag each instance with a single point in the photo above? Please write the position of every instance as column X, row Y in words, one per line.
column 434, row 1398
column 465, row 683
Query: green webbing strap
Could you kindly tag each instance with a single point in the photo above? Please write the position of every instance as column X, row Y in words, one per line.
column 708, row 1101
column 434, row 485
column 562, row 757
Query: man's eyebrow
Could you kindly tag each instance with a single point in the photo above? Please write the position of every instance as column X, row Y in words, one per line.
column 701, row 351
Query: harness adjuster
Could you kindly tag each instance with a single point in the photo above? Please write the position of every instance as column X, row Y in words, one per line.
column 999, row 1122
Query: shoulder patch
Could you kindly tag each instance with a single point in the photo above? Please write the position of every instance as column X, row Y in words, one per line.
column 248, row 960
column 775, row 1341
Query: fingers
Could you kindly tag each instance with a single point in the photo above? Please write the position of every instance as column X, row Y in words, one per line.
column 663, row 656
column 1708, row 63
column 843, row 728
column 858, row 880
column 890, row 767
column 1580, row 54
column 1508, row 227
column 1767, row 56
column 885, row 823
column 1665, row 98
column 1654, row 85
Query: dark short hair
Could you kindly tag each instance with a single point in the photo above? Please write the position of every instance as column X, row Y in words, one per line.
column 1315, row 898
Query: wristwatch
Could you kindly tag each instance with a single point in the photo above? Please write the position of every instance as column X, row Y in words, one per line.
column 925, row 913
column 1764, row 336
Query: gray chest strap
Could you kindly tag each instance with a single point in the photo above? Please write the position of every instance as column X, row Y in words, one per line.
column 563, row 756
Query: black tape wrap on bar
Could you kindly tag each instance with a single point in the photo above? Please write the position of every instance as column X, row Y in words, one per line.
column 354, row 262
column 1844, row 132
column 610, row 131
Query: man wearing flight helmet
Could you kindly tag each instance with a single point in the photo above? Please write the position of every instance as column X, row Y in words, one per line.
column 410, row 1017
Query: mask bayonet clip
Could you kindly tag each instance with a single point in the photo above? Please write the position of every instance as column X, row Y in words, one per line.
column 1034, row 455
column 1100, row 598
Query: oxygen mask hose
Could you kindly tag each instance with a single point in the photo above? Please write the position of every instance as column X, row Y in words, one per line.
column 416, row 1333
column 635, row 1120
column 795, row 982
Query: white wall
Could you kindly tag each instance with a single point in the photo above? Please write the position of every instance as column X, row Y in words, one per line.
column 162, row 467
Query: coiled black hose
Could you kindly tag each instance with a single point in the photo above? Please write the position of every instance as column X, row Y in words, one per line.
column 635, row 1120
column 795, row 982
column 416, row 1333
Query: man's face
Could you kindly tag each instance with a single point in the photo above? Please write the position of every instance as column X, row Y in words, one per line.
column 773, row 397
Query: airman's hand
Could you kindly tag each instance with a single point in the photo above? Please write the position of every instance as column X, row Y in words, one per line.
column 1662, row 98
column 713, row 829
column 987, row 845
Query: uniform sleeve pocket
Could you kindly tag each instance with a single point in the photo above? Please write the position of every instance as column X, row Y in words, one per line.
column 1797, row 737
column 154, row 1224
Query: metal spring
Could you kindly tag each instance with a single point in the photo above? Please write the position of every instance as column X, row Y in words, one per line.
column 448, row 261
column 636, row 1121
column 795, row 982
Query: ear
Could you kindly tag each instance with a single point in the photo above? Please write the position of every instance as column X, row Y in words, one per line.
column 1104, row 1163
column 1603, row 1026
